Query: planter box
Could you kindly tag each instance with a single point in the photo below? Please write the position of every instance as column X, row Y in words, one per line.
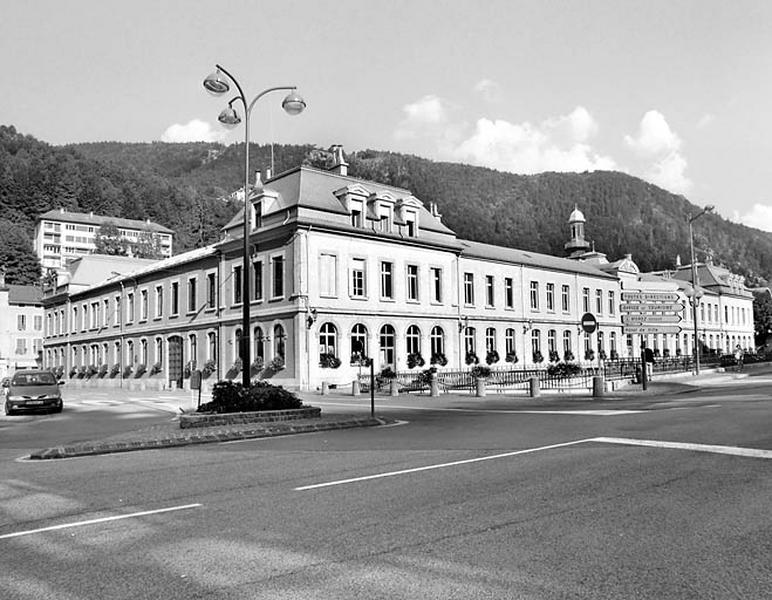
column 263, row 416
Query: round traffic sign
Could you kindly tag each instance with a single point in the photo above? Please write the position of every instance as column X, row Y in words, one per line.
column 589, row 322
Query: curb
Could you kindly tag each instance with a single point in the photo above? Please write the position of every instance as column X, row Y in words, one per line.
column 197, row 436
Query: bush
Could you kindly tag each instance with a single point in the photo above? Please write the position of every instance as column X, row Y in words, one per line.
column 359, row 358
column 91, row 371
column 481, row 371
column 81, row 372
column 471, row 358
column 209, row 367
column 563, row 370
column 127, row 371
column 512, row 358
column 229, row 397
column 277, row 363
column 614, row 355
column 59, row 372
column 492, row 357
column 329, row 361
column 188, row 369
column 414, row 359
column 387, row 373
column 589, row 354
column 156, row 368
column 538, row 357
column 568, row 356
column 140, row 370
column 73, row 372
column 103, row 369
column 115, row 370
column 602, row 354
column 439, row 358
column 554, row 356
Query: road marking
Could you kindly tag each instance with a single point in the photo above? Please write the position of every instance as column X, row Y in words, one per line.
column 102, row 520
column 437, row 466
column 713, row 449
column 585, row 413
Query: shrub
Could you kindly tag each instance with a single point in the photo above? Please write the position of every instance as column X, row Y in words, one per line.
column 103, row 369
column 554, row 356
column 678, row 352
column 237, row 364
column 481, row 371
column 359, row 358
column 614, row 355
column 492, row 357
column 657, row 352
column 59, row 372
column 127, row 371
column 439, row 358
column 538, row 357
column 414, row 359
column 228, row 397
column 666, row 353
column 329, row 361
column 91, row 371
column 589, row 354
column 387, row 373
column 512, row 358
column 568, row 356
column 156, row 368
column 563, row 370
column 73, row 372
column 81, row 372
column 471, row 358
column 115, row 370
column 209, row 367
column 140, row 370
column 188, row 369
column 602, row 354
column 277, row 363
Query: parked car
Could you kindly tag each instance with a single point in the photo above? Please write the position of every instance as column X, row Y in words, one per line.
column 31, row 389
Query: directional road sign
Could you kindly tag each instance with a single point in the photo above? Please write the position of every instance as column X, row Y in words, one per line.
column 650, row 307
column 650, row 296
column 647, row 319
column 647, row 329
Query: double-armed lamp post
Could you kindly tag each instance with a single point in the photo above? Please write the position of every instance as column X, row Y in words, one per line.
column 219, row 82
column 694, row 292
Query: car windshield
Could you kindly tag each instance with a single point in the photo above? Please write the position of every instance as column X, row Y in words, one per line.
column 22, row 379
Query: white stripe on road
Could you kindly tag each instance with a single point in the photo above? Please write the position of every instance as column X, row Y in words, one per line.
column 438, row 466
column 731, row 450
column 586, row 413
column 102, row 520
column 713, row 449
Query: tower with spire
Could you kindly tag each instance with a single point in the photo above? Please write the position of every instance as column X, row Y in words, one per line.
column 576, row 246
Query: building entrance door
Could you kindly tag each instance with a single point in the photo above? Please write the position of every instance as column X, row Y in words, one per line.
column 175, row 361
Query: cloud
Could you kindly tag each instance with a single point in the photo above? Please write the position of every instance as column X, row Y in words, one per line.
column 557, row 144
column 705, row 120
column 658, row 143
column 422, row 116
column 195, row 130
column 488, row 89
column 760, row 217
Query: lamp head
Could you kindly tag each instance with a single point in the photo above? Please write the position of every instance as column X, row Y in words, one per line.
column 229, row 117
column 216, row 83
column 293, row 104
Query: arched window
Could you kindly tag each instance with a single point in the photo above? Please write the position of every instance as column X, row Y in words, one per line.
column 470, row 342
column 117, row 352
column 387, row 345
column 587, row 342
column 612, row 341
column 509, row 341
column 237, row 344
column 211, row 350
column 279, row 341
column 328, row 340
column 566, row 341
column 259, row 343
column 159, row 351
column 535, row 341
column 130, row 352
column 106, row 352
column 413, row 340
column 193, row 350
column 552, row 341
column 601, row 342
column 490, row 339
column 437, row 339
column 358, row 343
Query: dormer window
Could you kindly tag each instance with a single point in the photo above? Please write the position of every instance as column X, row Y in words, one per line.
column 357, row 214
column 411, row 224
column 257, row 215
column 384, row 218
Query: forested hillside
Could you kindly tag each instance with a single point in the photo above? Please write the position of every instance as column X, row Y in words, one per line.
column 181, row 186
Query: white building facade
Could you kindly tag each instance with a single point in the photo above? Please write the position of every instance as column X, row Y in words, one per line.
column 21, row 327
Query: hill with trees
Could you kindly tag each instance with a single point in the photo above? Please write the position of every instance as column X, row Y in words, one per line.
column 185, row 187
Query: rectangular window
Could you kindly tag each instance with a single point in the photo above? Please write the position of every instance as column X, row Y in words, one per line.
column 611, row 303
column 21, row 322
column 356, row 214
column 175, row 300
column 211, row 290
column 95, row 314
column 38, row 322
column 387, row 280
column 192, row 289
column 410, row 224
column 257, row 283
column 550, row 296
column 586, row 300
column 509, row 293
column 277, row 272
column 384, row 216
column 534, row 295
column 328, row 275
column 489, row 291
column 129, row 307
column 436, row 273
column 237, row 284
column 358, row 288
column 599, row 301
column 142, row 305
column 21, row 346
column 468, row 289
column 159, row 301
column 412, row 283
column 117, row 312
column 565, row 299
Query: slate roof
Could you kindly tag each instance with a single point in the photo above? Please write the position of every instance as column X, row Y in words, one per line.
column 24, row 294
column 98, row 220
column 530, row 259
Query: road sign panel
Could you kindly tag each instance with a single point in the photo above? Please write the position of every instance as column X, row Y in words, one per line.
column 650, row 329
column 650, row 296
column 651, row 307
column 649, row 319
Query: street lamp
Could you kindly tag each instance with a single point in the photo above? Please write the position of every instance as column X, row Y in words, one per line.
column 219, row 82
column 694, row 293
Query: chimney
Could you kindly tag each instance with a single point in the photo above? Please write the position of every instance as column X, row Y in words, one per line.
column 268, row 173
column 628, row 256
column 258, row 188
column 434, row 211
column 340, row 166
column 61, row 210
column 91, row 213
column 678, row 261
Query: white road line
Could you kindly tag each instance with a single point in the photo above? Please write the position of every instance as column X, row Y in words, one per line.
column 437, row 466
column 102, row 520
column 585, row 413
column 731, row 450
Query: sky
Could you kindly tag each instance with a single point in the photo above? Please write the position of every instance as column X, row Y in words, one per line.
column 677, row 92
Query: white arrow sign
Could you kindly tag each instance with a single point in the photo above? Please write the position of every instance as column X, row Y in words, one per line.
column 647, row 329
column 650, row 307
column 650, row 296
column 646, row 319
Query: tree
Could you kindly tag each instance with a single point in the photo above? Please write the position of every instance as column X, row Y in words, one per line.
column 762, row 316
column 148, row 245
column 17, row 256
column 110, row 241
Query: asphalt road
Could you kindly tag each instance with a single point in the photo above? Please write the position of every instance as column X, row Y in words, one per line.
column 463, row 498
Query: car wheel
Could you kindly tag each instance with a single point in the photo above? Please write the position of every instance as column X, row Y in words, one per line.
column 59, row 408
column 8, row 411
